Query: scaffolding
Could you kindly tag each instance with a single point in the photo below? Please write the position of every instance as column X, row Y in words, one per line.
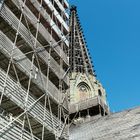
column 33, row 69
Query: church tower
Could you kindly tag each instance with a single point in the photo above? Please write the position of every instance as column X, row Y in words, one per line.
column 87, row 95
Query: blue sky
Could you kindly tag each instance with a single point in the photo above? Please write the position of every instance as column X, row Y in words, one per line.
column 112, row 31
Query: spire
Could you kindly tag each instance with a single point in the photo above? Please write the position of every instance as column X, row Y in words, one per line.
column 87, row 96
column 79, row 56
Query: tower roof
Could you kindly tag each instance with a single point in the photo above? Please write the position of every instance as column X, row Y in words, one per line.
column 88, row 97
column 79, row 56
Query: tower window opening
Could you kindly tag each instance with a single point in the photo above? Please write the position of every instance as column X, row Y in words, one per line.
column 99, row 92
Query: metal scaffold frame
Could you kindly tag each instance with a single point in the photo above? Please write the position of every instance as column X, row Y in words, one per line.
column 34, row 102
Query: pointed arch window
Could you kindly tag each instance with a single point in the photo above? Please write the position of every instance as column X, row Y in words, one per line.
column 83, row 91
